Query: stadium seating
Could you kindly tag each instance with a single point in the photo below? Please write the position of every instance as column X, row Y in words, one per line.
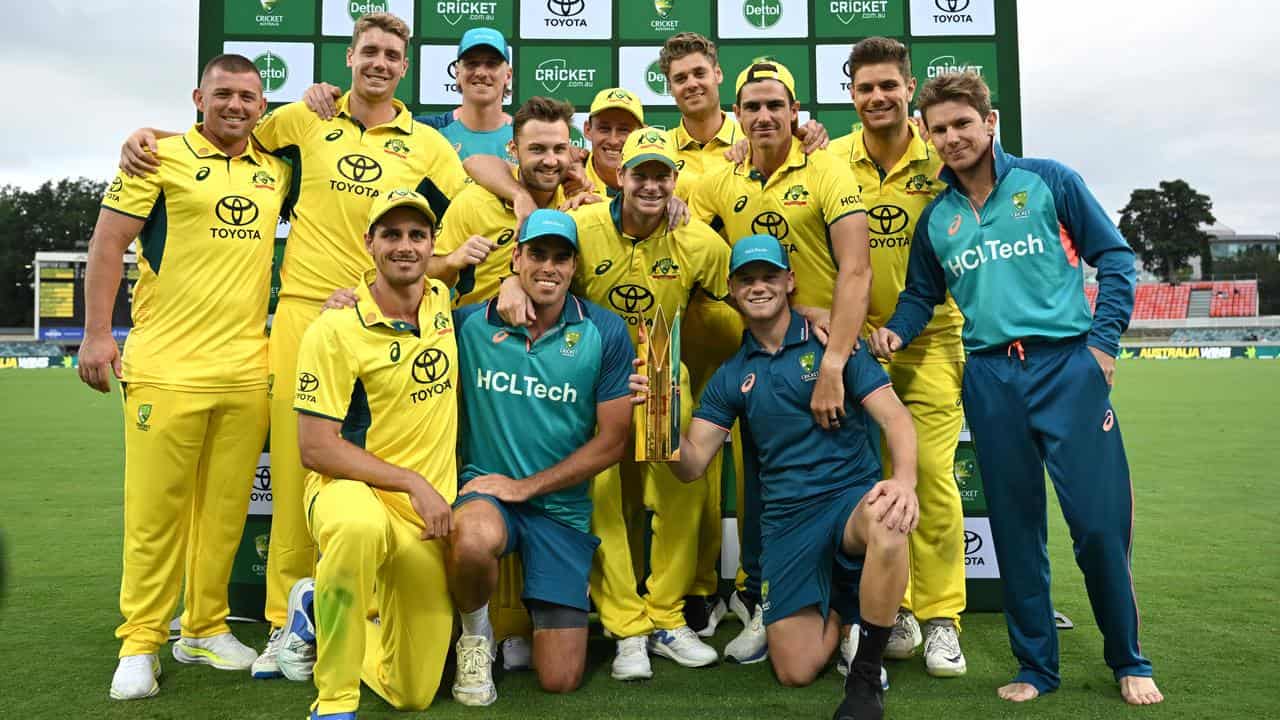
column 1165, row 301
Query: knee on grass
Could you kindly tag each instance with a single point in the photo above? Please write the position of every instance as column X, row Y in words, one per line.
column 796, row 674
column 560, row 679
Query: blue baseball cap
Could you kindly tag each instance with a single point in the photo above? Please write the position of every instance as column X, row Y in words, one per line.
column 758, row 248
column 545, row 222
column 484, row 37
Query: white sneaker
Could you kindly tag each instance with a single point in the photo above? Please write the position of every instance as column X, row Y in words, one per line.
column 135, row 677
column 942, row 654
column 683, row 646
column 473, row 683
column 751, row 645
column 714, row 615
column 632, row 660
column 739, row 608
column 222, row 651
column 517, row 653
column 848, row 648
column 297, row 654
column 267, row 666
column 904, row 638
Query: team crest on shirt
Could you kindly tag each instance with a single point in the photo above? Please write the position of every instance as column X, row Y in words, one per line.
column 795, row 195
column 919, row 185
column 1020, row 204
column 806, row 366
column 571, row 339
column 263, row 180
column 442, row 325
column 395, row 146
column 664, row 269
column 144, row 414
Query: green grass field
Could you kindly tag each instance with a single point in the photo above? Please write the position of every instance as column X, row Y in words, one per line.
column 1202, row 441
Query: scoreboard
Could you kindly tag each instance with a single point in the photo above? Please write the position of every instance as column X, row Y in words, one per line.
column 59, row 291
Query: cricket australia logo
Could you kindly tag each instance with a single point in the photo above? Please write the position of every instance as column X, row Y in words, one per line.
column 144, row 414
column 795, row 195
column 806, row 367
column 441, row 324
column 395, row 146
column 1020, row 204
column 664, row 269
column 571, row 339
column 262, row 179
column 919, row 185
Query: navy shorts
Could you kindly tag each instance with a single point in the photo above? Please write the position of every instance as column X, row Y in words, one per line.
column 556, row 557
column 800, row 548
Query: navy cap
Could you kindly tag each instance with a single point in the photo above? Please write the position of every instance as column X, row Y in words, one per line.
column 544, row 222
column 758, row 248
column 484, row 37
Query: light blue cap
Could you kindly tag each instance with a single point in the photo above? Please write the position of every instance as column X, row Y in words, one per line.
column 758, row 248
column 484, row 37
column 543, row 222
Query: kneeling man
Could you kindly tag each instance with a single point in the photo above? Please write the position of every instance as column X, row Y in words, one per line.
column 823, row 501
column 545, row 408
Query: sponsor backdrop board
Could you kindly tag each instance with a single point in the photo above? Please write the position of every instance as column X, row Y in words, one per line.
column 574, row 48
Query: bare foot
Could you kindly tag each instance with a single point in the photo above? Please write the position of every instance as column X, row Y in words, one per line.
column 1140, row 690
column 1019, row 692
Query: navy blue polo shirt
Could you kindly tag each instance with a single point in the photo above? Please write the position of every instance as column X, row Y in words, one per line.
column 770, row 394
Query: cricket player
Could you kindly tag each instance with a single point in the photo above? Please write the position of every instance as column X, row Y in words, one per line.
column 811, row 204
column 634, row 261
column 377, row 427
column 478, row 126
column 897, row 170
column 824, row 502
column 194, row 373
column 1006, row 239
column 546, row 407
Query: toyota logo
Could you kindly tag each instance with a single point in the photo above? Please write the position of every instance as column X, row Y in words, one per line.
column 951, row 6
column 262, row 479
column 569, row 8
column 972, row 542
column 430, row 366
column 846, row 70
column 631, row 298
column 887, row 219
column 117, row 185
column 452, row 70
column 359, row 168
column 308, row 382
column 770, row 223
column 236, row 210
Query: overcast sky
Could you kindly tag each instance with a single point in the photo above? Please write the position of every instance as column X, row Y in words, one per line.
column 1129, row 92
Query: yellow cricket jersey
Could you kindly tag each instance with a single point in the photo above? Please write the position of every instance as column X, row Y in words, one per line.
column 393, row 386
column 797, row 205
column 476, row 211
column 341, row 167
column 204, row 264
column 635, row 276
column 682, row 190
column 895, row 200
column 695, row 159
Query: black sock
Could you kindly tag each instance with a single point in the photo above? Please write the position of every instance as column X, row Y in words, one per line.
column 872, row 640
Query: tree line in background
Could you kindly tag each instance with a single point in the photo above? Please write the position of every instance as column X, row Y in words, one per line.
column 55, row 216
column 1163, row 226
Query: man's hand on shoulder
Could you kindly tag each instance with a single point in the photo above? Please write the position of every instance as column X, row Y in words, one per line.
column 140, row 155
column 812, row 136
column 472, row 252
column 321, row 99
column 341, row 298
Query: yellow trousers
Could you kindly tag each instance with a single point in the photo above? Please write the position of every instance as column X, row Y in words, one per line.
column 363, row 545
column 931, row 392
column 673, row 556
column 291, row 554
column 189, row 462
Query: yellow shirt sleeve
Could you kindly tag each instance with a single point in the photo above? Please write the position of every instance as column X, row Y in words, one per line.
column 284, row 126
column 444, row 177
column 454, row 225
column 326, row 371
column 715, row 267
column 702, row 198
column 133, row 196
column 838, row 189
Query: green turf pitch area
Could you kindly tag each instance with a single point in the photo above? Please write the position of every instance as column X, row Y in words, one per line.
column 1202, row 439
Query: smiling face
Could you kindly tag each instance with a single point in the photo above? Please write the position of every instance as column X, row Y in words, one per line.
column 963, row 137
column 545, row 266
column 400, row 244
column 542, row 150
column 377, row 61
column 766, row 113
column 483, row 76
column 647, row 188
column 880, row 95
column 694, row 82
column 760, row 290
column 608, row 130
column 231, row 102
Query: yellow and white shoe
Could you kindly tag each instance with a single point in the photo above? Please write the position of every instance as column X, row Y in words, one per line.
column 222, row 651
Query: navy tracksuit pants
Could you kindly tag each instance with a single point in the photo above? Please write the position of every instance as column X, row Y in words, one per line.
column 1043, row 405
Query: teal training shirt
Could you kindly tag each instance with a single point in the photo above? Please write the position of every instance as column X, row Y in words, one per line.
column 528, row 405
column 467, row 142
